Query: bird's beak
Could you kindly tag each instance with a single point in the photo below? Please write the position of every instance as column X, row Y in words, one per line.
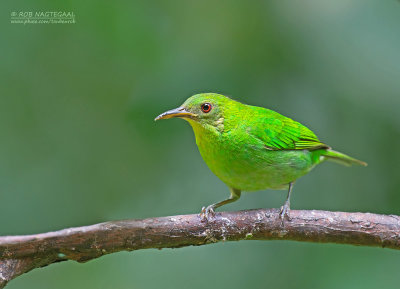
column 176, row 112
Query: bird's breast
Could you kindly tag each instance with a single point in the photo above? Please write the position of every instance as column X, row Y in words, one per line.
column 243, row 162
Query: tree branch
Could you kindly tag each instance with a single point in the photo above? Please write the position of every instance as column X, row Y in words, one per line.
column 20, row 254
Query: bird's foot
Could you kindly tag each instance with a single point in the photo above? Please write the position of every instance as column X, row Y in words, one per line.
column 285, row 212
column 207, row 213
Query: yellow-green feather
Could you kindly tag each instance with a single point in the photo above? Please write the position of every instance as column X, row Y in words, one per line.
column 282, row 133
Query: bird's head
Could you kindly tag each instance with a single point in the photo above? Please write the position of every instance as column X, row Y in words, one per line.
column 205, row 109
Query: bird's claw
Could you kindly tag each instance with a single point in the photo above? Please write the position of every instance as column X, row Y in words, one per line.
column 206, row 213
column 285, row 212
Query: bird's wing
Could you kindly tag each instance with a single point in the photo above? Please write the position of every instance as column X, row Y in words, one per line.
column 278, row 132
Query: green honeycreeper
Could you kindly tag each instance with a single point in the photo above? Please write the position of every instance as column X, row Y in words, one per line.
column 252, row 148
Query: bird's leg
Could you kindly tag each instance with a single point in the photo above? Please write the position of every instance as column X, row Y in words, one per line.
column 209, row 211
column 285, row 209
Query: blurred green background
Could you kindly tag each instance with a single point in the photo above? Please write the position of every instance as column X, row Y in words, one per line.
column 79, row 145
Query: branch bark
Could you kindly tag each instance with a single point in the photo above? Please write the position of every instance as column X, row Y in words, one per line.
column 20, row 254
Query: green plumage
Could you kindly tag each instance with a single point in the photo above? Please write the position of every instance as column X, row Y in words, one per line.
column 252, row 148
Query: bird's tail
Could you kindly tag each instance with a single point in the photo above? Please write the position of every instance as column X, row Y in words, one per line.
column 341, row 158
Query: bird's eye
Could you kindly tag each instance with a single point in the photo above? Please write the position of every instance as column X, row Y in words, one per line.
column 206, row 107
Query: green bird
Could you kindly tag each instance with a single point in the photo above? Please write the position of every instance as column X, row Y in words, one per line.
column 252, row 148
